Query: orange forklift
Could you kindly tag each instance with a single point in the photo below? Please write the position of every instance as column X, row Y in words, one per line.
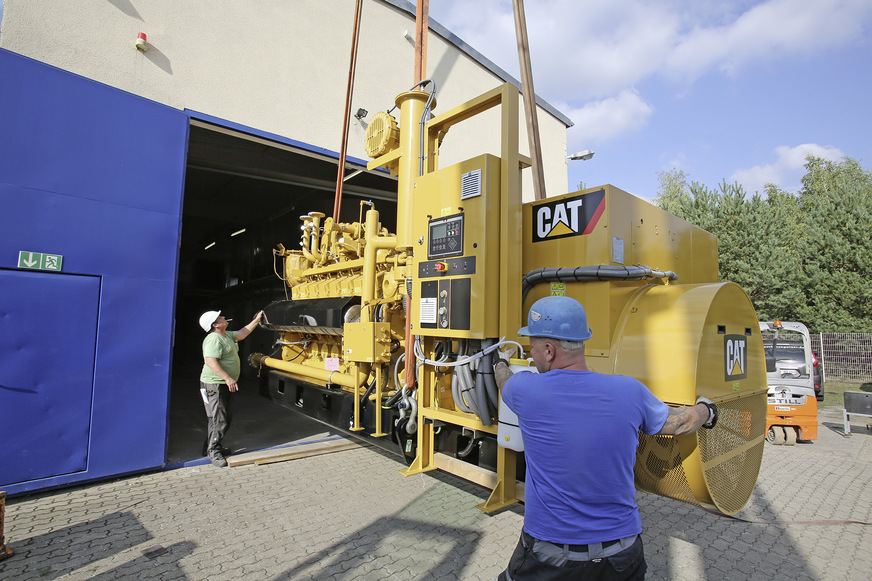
column 792, row 405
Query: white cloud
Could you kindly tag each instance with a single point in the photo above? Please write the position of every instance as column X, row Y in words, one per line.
column 787, row 170
column 592, row 49
column 607, row 119
column 767, row 31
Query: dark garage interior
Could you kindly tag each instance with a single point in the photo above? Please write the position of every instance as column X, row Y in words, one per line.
column 244, row 195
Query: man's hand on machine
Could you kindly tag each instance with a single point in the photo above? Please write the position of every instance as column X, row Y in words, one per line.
column 502, row 373
column 713, row 412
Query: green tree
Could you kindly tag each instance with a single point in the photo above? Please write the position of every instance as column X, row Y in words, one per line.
column 836, row 205
column 779, row 293
column 805, row 256
column 757, row 238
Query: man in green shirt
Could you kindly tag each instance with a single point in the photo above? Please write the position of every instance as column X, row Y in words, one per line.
column 219, row 376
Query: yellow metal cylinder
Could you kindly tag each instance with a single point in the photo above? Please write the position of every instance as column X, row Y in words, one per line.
column 411, row 106
column 321, row 375
column 684, row 341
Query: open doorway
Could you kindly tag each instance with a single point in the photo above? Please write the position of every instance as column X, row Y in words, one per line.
column 244, row 195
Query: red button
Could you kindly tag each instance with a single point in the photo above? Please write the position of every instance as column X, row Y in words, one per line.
column 441, row 266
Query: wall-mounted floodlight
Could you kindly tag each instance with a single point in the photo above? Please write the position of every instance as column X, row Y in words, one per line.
column 582, row 155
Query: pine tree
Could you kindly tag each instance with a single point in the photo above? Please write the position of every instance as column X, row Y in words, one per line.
column 836, row 206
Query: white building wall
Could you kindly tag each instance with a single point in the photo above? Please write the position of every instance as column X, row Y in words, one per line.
column 279, row 66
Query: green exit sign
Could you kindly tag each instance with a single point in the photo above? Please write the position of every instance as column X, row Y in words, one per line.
column 40, row 261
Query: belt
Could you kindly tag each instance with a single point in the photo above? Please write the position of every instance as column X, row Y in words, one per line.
column 558, row 552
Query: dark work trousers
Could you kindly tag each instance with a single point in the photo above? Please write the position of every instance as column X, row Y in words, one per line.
column 216, row 398
column 535, row 560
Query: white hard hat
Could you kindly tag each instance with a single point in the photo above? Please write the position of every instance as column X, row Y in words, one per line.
column 207, row 318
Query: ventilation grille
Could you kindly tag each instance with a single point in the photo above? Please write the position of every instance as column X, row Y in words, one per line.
column 732, row 452
column 729, row 458
column 660, row 469
column 470, row 184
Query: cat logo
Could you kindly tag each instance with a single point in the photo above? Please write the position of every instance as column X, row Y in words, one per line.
column 566, row 217
column 735, row 357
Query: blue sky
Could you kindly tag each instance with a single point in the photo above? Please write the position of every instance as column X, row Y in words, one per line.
column 733, row 89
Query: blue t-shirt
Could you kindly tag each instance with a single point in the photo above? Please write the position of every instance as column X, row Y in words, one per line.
column 581, row 432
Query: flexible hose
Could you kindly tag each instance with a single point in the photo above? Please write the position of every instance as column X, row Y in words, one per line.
column 467, row 389
column 590, row 273
column 480, row 395
column 466, row 451
column 493, row 394
column 368, row 392
column 471, row 358
column 458, row 388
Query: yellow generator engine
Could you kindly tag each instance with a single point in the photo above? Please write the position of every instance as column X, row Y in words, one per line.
column 393, row 334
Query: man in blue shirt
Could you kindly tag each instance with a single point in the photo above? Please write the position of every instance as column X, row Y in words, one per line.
column 581, row 431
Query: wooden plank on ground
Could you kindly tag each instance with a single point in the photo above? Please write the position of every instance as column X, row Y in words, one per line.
column 293, row 452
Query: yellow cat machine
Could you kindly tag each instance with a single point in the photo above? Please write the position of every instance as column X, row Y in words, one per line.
column 392, row 335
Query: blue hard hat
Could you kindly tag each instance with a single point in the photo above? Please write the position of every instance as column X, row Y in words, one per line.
column 558, row 318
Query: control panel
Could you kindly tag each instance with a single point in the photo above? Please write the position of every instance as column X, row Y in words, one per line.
column 446, row 237
column 456, row 286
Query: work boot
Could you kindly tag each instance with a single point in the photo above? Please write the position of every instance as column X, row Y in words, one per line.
column 217, row 458
column 224, row 451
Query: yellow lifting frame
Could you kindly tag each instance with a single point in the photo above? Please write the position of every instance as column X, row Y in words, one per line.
column 512, row 162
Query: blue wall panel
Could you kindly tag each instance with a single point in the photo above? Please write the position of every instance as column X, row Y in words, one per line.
column 46, row 413
column 97, row 175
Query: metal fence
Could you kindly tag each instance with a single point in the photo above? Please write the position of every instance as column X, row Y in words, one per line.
column 844, row 356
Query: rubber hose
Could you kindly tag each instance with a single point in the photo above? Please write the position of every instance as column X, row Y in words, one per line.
column 493, row 394
column 480, row 394
column 459, row 386
column 368, row 392
column 590, row 273
column 467, row 389
column 466, row 451
column 392, row 401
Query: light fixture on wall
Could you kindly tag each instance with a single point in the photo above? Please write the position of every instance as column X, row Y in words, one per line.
column 142, row 42
column 361, row 113
column 581, row 155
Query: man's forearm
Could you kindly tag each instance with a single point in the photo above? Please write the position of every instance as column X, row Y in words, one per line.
column 502, row 373
column 685, row 420
column 246, row 330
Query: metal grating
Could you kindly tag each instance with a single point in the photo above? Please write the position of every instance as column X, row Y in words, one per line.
column 730, row 457
column 731, row 453
column 659, row 468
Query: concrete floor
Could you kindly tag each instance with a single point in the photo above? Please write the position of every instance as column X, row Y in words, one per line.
column 257, row 422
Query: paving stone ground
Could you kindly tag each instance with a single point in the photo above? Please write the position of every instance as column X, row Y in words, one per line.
column 351, row 515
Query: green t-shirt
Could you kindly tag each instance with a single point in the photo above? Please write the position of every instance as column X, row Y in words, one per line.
column 225, row 349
